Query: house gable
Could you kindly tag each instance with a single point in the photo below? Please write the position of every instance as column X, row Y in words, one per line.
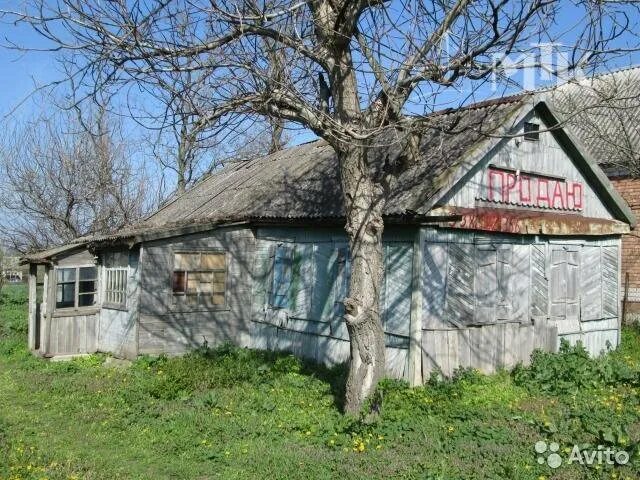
column 548, row 176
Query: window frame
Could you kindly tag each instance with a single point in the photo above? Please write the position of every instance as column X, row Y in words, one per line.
column 531, row 131
column 181, row 300
column 76, row 291
column 122, row 291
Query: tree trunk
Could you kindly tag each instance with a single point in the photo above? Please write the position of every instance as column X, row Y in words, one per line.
column 364, row 226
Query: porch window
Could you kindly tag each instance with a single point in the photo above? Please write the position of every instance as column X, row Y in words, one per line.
column 76, row 287
column 200, row 276
column 115, row 287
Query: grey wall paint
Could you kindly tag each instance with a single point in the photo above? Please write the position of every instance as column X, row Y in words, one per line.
column 544, row 156
column 166, row 326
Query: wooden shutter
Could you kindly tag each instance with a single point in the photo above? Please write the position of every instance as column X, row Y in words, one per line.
column 486, row 284
column 396, row 303
column 324, row 267
column 520, row 283
column 343, row 276
column 539, row 282
column 434, row 284
column 302, row 280
column 282, row 270
column 610, row 282
column 504, row 282
column 590, row 284
column 564, row 293
column 459, row 307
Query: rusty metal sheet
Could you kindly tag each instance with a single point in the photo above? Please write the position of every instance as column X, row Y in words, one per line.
column 528, row 222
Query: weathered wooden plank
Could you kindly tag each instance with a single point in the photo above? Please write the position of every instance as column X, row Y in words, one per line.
column 397, row 284
column 460, row 285
column 33, row 293
column 397, row 362
column 429, row 363
column 434, row 284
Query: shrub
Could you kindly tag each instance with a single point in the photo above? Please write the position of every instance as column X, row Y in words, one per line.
column 571, row 369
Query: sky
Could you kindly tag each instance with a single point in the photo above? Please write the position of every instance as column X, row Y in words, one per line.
column 21, row 73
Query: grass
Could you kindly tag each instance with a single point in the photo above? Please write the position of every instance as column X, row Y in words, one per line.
column 233, row 413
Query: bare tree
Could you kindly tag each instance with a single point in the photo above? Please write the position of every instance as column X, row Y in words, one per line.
column 355, row 72
column 2, row 268
column 64, row 176
column 604, row 113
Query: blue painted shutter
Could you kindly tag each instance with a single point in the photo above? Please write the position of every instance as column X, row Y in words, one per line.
column 396, row 288
column 282, row 272
column 324, row 276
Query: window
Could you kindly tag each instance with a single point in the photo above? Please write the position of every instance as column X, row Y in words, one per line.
column 115, row 287
column 75, row 287
column 200, row 276
column 531, row 131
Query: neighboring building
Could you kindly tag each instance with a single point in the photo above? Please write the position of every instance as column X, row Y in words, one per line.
column 494, row 245
column 11, row 270
column 604, row 113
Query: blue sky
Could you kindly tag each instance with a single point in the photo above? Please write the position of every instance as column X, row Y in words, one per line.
column 21, row 73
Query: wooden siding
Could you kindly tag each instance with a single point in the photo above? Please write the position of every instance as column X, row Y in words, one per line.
column 312, row 325
column 119, row 326
column 544, row 156
column 73, row 335
column 167, row 327
column 487, row 348
column 562, row 283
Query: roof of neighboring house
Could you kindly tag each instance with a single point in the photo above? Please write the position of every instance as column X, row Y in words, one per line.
column 302, row 182
column 604, row 114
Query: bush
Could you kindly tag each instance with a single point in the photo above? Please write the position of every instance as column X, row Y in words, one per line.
column 571, row 370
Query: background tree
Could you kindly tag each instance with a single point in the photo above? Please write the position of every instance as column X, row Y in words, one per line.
column 356, row 72
column 65, row 175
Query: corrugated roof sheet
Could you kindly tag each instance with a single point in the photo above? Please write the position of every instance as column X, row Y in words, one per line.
column 603, row 112
column 302, row 182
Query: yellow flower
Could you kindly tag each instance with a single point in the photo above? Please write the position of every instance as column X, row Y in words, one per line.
column 450, row 429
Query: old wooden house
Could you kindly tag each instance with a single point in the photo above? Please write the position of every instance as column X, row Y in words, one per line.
column 503, row 238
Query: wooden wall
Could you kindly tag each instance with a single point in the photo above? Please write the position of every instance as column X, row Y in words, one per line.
column 167, row 327
column 118, row 331
column 312, row 326
column 472, row 279
column 487, row 300
column 544, row 156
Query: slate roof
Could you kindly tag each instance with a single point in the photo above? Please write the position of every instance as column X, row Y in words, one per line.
column 603, row 112
column 302, row 181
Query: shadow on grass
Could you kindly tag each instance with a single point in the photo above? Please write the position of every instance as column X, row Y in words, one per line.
column 228, row 365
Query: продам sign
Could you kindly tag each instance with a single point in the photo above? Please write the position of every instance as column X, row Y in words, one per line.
column 532, row 190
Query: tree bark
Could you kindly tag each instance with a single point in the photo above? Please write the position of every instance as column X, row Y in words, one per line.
column 363, row 204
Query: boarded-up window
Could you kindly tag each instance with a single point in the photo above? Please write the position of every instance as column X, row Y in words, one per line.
column 200, row 276
column 115, row 287
column 76, row 287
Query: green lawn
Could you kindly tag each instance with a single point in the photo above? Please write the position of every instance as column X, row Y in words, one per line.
column 232, row 413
